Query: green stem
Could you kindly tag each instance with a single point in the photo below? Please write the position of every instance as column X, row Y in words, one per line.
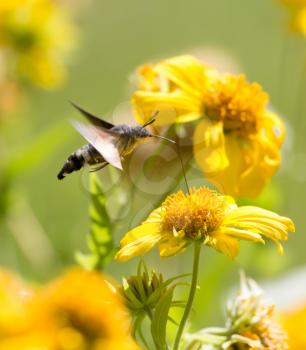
column 194, row 281
column 142, row 338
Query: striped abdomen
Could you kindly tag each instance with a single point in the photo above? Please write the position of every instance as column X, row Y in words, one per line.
column 84, row 155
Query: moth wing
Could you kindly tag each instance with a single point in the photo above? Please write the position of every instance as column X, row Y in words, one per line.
column 92, row 118
column 102, row 140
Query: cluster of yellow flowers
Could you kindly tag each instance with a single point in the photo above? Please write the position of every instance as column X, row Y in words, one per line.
column 35, row 36
column 236, row 143
column 297, row 10
column 236, row 140
column 77, row 311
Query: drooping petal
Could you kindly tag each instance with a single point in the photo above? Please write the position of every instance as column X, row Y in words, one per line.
column 225, row 244
column 259, row 222
column 226, row 180
column 171, row 245
column 209, row 147
column 243, row 234
column 138, row 241
column 141, row 239
column 252, row 162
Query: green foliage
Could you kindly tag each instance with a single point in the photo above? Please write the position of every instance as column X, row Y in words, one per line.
column 99, row 240
column 148, row 294
column 160, row 318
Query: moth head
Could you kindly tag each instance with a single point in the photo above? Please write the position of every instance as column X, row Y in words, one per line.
column 148, row 134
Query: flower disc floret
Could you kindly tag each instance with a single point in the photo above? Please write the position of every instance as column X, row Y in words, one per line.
column 194, row 215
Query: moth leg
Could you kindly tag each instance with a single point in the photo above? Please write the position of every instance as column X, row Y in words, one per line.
column 98, row 168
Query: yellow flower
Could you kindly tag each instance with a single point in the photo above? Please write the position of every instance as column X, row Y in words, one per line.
column 34, row 38
column 206, row 216
column 297, row 10
column 14, row 299
column 236, row 141
column 294, row 321
column 77, row 311
column 84, row 312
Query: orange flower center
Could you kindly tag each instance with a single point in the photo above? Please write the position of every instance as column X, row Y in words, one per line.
column 237, row 103
column 193, row 215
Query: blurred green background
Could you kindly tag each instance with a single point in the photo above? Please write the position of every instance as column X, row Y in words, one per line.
column 48, row 220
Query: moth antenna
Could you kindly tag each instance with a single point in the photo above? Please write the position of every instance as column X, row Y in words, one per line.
column 152, row 119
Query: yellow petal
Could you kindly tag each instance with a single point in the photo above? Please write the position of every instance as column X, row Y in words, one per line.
column 226, row 245
column 173, row 107
column 243, row 234
column 175, row 87
column 142, row 238
column 252, row 162
column 186, row 72
column 274, row 127
column 258, row 221
column 209, row 147
column 171, row 245
column 252, row 213
column 138, row 241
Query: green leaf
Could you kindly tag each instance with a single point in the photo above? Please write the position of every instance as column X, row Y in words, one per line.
column 160, row 318
column 164, row 285
column 99, row 241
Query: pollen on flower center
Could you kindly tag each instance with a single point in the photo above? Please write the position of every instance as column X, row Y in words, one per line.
column 194, row 215
column 238, row 104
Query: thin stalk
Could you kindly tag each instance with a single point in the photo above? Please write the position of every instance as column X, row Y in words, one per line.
column 169, row 191
column 142, row 338
column 193, row 287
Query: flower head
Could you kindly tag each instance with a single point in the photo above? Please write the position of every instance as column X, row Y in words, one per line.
column 236, row 140
column 252, row 320
column 83, row 311
column 143, row 291
column 77, row 311
column 207, row 216
column 250, row 324
column 34, row 38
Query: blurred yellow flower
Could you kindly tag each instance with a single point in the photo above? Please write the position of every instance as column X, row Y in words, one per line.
column 77, row 311
column 14, row 304
column 297, row 10
column 34, row 38
column 205, row 216
column 236, row 141
column 294, row 321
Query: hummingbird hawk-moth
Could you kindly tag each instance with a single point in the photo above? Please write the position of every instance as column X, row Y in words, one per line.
column 107, row 143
